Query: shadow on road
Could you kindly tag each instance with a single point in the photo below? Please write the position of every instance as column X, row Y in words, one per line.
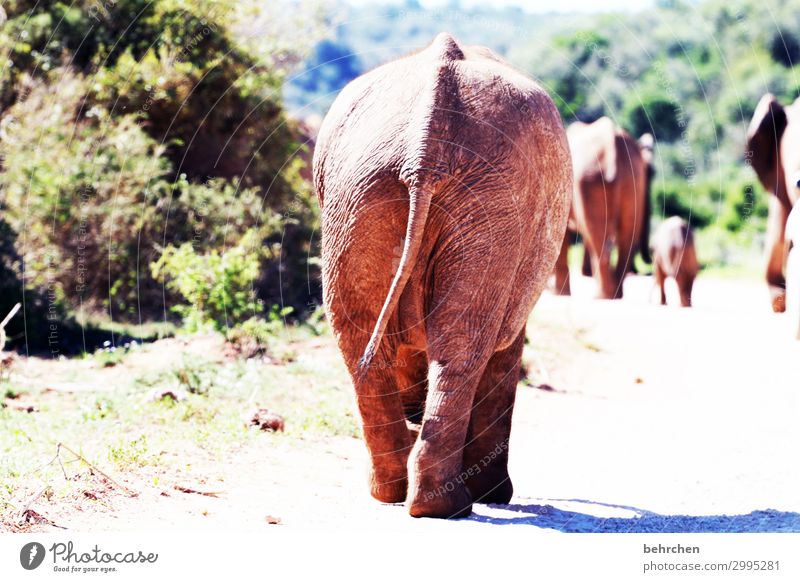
column 643, row 521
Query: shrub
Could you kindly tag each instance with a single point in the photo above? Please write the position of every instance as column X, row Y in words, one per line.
column 217, row 287
column 128, row 127
column 195, row 375
column 679, row 198
column 651, row 113
column 256, row 336
column 82, row 192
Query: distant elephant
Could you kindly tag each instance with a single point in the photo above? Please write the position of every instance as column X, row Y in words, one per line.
column 674, row 256
column 773, row 149
column 443, row 179
column 610, row 205
column 792, row 236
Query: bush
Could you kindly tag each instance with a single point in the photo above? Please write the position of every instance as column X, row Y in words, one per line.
column 92, row 195
column 129, row 127
column 256, row 336
column 86, row 191
column 217, row 287
column 734, row 203
column 745, row 203
column 651, row 113
column 679, row 198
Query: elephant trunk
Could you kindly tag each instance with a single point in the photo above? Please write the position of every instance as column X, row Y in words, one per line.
column 419, row 195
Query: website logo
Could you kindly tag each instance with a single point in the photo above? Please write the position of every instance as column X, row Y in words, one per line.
column 31, row 555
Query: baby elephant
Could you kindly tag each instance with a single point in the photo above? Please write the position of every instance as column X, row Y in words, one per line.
column 674, row 256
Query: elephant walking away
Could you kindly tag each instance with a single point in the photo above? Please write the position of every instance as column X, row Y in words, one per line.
column 444, row 182
column 674, row 256
column 610, row 204
column 773, row 150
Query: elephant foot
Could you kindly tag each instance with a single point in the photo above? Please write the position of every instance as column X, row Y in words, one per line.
column 388, row 488
column 779, row 302
column 449, row 499
column 491, row 486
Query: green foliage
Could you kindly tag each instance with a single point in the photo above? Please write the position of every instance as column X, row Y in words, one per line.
column 745, row 202
column 128, row 453
column 734, row 203
column 572, row 89
column 317, row 322
column 677, row 198
column 693, row 87
column 217, row 287
column 83, row 192
column 257, row 336
column 651, row 113
column 195, row 375
column 129, row 127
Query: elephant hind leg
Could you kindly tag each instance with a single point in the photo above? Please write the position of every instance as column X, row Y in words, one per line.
column 380, row 405
column 562, row 268
column 775, row 240
column 597, row 244
column 625, row 255
column 586, row 266
column 411, row 376
column 485, row 463
column 600, row 252
column 660, row 278
column 685, row 283
column 436, row 487
column 461, row 338
column 385, row 433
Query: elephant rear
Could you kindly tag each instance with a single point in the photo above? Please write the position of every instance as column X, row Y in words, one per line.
column 610, row 204
column 674, row 255
column 456, row 133
column 444, row 182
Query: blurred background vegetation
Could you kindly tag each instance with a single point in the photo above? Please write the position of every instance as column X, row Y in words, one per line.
column 154, row 154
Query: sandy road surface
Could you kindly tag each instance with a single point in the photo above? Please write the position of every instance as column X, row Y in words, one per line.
column 666, row 419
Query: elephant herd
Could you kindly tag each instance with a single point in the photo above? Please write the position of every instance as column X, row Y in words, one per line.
column 462, row 162
column 611, row 212
column 610, row 208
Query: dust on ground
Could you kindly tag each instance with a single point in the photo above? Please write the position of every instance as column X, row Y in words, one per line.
column 659, row 419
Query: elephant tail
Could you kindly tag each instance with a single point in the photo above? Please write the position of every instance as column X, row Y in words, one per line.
column 419, row 195
column 425, row 163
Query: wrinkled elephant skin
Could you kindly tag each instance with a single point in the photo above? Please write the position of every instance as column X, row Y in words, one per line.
column 444, row 181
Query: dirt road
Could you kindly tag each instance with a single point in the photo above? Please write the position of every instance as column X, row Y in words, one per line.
column 661, row 419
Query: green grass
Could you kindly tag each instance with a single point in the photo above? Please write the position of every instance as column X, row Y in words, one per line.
column 150, row 331
column 124, row 429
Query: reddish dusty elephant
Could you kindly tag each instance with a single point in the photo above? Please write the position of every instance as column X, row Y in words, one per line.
column 674, row 256
column 444, row 182
column 610, row 204
column 773, row 150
